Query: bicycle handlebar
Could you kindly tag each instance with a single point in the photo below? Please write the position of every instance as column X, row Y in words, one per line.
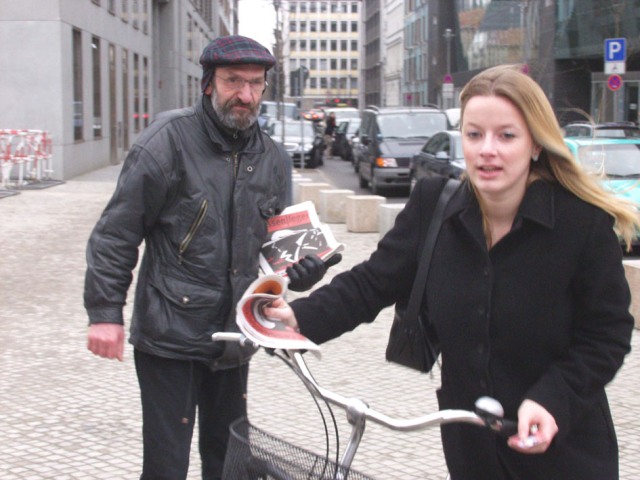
column 488, row 412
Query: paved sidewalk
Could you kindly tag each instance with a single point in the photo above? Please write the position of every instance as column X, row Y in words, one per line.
column 65, row 414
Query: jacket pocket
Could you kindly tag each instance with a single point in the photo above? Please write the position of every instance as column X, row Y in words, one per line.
column 193, row 229
column 186, row 310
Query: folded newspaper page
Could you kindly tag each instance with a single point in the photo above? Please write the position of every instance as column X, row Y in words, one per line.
column 293, row 234
column 260, row 329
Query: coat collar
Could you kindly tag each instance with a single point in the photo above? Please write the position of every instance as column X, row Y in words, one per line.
column 537, row 205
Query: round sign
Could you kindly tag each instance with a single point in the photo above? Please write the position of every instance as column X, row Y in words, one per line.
column 447, row 79
column 614, row 82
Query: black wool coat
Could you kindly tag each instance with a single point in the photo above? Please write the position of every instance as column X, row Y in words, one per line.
column 544, row 315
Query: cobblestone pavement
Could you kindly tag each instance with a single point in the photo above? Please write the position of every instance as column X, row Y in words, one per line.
column 65, row 414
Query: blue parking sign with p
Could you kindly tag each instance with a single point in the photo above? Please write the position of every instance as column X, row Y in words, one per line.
column 615, row 50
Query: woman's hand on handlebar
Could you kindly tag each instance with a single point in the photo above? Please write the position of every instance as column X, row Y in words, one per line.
column 280, row 310
column 536, row 429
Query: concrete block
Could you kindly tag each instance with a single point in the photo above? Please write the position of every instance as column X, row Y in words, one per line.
column 387, row 213
column 632, row 271
column 333, row 205
column 311, row 191
column 295, row 181
column 362, row 212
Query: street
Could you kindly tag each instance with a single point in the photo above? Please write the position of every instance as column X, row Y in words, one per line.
column 67, row 414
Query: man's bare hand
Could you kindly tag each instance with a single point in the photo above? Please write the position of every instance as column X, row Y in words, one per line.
column 106, row 340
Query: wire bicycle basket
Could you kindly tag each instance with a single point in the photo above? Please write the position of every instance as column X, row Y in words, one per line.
column 253, row 454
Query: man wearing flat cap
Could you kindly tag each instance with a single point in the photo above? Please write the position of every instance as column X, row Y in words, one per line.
column 197, row 187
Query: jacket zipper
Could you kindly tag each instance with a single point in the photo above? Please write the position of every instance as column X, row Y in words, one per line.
column 235, row 164
column 193, row 229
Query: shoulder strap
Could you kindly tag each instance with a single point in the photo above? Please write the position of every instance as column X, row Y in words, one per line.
column 433, row 230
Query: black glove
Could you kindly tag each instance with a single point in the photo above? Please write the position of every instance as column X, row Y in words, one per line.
column 308, row 271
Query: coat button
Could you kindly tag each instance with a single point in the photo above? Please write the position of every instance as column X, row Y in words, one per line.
column 185, row 300
column 249, row 169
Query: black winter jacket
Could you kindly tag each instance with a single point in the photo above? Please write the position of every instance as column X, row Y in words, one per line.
column 544, row 314
column 200, row 205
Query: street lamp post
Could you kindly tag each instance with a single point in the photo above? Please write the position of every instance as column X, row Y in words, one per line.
column 448, row 35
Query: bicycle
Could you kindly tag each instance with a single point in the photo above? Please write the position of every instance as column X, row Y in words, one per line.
column 253, row 453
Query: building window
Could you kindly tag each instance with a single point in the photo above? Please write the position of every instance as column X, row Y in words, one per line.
column 313, row 26
column 343, row 64
column 313, row 65
column 354, row 7
column 145, row 91
column 136, row 92
column 111, row 6
column 97, row 90
column 323, row 82
column 354, row 45
column 334, row 64
column 323, row 7
column 125, row 99
column 313, row 7
column 323, row 64
column 303, row 7
column 313, row 45
column 354, row 27
column 323, row 45
column 124, row 14
column 145, row 16
column 334, row 45
column 292, row 45
column 334, row 26
column 354, row 64
column 344, row 26
column 293, row 26
column 77, row 84
column 303, row 45
column 313, row 82
column 135, row 14
column 343, row 45
column 303, row 26
column 323, row 26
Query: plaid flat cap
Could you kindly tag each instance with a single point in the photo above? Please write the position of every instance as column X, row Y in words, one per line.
column 233, row 50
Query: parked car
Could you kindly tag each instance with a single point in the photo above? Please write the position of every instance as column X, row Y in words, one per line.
column 615, row 160
column 299, row 138
column 341, row 146
column 440, row 156
column 314, row 115
column 602, row 130
column 341, row 113
column 269, row 113
column 389, row 138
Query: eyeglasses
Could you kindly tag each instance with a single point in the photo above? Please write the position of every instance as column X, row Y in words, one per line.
column 256, row 85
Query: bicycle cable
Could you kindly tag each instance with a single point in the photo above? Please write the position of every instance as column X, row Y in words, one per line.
column 311, row 388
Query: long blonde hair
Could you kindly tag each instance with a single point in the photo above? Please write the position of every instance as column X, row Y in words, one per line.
column 555, row 163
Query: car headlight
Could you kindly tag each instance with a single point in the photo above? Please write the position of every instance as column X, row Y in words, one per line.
column 386, row 162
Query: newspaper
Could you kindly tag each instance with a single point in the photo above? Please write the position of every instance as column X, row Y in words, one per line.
column 264, row 331
column 293, row 234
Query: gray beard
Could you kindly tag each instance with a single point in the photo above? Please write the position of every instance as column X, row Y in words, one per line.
column 228, row 119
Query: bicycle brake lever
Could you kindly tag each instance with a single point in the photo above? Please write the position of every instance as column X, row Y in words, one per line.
column 492, row 413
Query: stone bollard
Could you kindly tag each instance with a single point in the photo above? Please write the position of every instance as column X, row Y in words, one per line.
column 333, row 205
column 295, row 182
column 311, row 191
column 387, row 213
column 362, row 213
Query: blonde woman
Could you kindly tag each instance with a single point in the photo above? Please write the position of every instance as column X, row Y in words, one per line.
column 526, row 290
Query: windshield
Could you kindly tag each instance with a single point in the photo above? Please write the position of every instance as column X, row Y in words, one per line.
column 411, row 125
column 289, row 110
column 612, row 160
column 293, row 130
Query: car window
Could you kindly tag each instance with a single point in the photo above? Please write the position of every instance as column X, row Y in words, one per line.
column 411, row 125
column 613, row 160
column 433, row 145
column 293, row 130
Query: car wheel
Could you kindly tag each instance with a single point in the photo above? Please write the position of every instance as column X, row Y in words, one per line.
column 363, row 182
column 375, row 185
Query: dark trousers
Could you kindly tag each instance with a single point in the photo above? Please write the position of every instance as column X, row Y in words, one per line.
column 170, row 390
